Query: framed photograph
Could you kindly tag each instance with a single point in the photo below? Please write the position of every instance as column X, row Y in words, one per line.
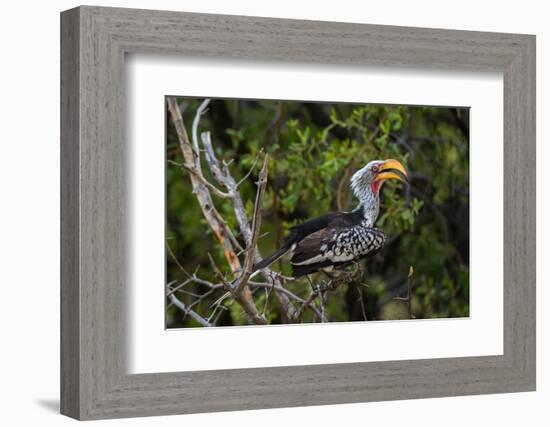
column 323, row 209
column 302, row 212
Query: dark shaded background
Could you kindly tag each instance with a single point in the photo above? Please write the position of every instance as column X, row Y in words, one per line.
column 314, row 148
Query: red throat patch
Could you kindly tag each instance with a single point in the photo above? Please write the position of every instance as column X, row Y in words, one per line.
column 375, row 186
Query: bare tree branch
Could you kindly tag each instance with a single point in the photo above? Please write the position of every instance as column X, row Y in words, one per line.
column 199, row 175
column 222, row 174
column 279, row 289
column 247, row 304
column 191, row 155
column 200, row 111
column 194, row 315
column 256, row 224
column 201, row 191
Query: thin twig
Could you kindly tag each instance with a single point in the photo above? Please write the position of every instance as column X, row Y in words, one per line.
column 194, row 315
column 218, row 273
column 194, row 171
column 307, row 303
column 322, row 305
column 177, row 288
column 408, row 298
column 278, row 288
column 360, row 293
column 198, row 280
column 266, row 293
column 409, row 291
column 184, row 271
column 244, row 178
column 221, row 310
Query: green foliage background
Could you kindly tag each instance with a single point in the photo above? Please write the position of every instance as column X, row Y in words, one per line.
column 313, row 150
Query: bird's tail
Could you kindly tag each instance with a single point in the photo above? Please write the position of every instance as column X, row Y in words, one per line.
column 266, row 262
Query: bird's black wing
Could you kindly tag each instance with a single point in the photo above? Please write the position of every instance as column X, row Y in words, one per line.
column 297, row 233
column 301, row 231
column 337, row 244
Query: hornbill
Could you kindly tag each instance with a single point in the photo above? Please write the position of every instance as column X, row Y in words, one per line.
column 339, row 238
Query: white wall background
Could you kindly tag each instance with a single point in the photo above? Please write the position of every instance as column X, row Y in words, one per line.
column 29, row 212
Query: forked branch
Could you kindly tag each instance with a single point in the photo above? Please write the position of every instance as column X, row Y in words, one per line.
column 191, row 155
column 240, row 260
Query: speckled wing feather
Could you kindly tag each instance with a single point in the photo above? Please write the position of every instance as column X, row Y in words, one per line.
column 334, row 245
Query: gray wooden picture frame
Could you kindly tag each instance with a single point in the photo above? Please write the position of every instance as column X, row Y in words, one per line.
column 94, row 41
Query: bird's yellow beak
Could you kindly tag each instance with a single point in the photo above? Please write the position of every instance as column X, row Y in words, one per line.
column 392, row 169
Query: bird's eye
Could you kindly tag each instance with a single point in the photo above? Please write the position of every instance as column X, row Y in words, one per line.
column 375, row 168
